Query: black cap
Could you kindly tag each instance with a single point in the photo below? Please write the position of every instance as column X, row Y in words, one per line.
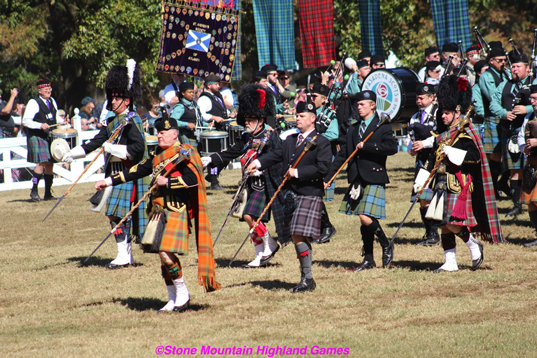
column 472, row 49
column 212, row 79
column 164, row 124
column 496, row 52
column 533, row 89
column 518, row 58
column 366, row 95
column 430, row 50
column 364, row 54
column 377, row 59
column 269, row 68
column 362, row 64
column 185, row 86
column 495, row 44
column 43, row 82
column 431, row 65
column 479, row 65
column 302, row 107
column 423, row 88
column 320, row 89
column 450, row 47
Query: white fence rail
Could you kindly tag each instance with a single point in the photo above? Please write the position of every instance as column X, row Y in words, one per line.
column 14, row 153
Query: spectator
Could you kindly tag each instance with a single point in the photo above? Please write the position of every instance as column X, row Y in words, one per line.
column 149, row 118
column 7, row 125
column 86, row 114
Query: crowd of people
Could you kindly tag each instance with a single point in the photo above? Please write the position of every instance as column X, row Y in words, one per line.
column 473, row 139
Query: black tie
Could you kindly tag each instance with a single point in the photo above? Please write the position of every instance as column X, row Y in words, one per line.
column 300, row 140
column 362, row 129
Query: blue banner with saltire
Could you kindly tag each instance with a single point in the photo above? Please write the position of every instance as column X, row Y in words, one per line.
column 451, row 22
column 371, row 26
column 198, row 39
column 275, row 33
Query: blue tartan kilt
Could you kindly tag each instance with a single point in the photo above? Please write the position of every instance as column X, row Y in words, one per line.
column 329, row 192
column 119, row 202
column 38, row 150
column 306, row 219
column 491, row 136
column 372, row 202
column 256, row 203
column 510, row 160
column 427, row 195
column 451, row 199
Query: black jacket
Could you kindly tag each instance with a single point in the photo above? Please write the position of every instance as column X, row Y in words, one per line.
column 311, row 169
column 368, row 166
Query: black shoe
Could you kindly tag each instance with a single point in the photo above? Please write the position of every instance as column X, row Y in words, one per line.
column 516, row 210
column 477, row 263
column 112, row 266
column 326, row 235
column 530, row 244
column 366, row 265
column 387, row 255
column 503, row 186
column 305, row 284
column 265, row 259
column 35, row 196
column 216, row 186
column 183, row 307
column 431, row 240
column 49, row 197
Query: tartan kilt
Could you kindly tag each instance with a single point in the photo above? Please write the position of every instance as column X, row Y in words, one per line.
column 427, row 195
column 510, row 160
column 372, row 203
column 491, row 135
column 38, row 150
column 306, row 219
column 119, row 202
column 451, row 199
column 175, row 238
column 186, row 140
column 329, row 192
column 255, row 204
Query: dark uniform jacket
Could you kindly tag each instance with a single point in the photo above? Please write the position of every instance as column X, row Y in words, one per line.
column 368, row 166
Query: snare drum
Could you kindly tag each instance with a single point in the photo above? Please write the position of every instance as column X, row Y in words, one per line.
column 235, row 132
column 290, row 121
column 152, row 142
column 213, row 142
column 69, row 134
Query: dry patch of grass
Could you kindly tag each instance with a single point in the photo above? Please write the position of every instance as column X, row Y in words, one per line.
column 52, row 306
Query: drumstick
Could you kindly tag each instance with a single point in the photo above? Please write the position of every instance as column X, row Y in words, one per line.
column 57, row 124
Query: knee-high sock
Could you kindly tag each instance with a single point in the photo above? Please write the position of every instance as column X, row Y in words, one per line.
column 533, row 218
column 35, row 180
column 516, row 188
column 303, row 252
column 426, row 222
column 174, row 269
column 48, row 183
column 448, row 241
column 377, row 231
column 325, row 220
column 122, row 232
column 367, row 238
column 495, row 171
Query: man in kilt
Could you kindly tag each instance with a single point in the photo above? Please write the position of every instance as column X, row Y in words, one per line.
column 527, row 141
column 464, row 200
column 420, row 129
column 367, row 176
column 41, row 112
column 179, row 202
column 122, row 89
column 304, row 188
column 256, row 103
column 510, row 102
column 187, row 114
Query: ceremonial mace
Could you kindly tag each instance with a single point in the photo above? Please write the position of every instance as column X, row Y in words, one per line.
column 126, row 120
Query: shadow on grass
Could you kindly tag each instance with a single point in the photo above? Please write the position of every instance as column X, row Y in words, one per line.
column 274, row 285
column 407, row 224
column 93, row 261
column 519, row 241
column 413, row 265
column 345, row 265
column 23, row 201
column 141, row 304
column 224, row 263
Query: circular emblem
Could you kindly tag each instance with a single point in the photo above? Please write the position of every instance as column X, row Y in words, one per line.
column 232, row 57
column 209, row 54
column 224, row 17
column 387, row 87
column 213, row 16
column 211, row 47
column 216, row 43
column 230, row 27
column 196, row 13
column 367, row 95
column 229, row 36
column 180, row 37
column 426, row 88
column 166, row 16
column 201, row 13
column 172, row 9
column 218, row 17
column 214, row 34
column 166, row 67
column 309, row 106
column 177, row 20
column 177, row 68
column 174, row 55
column 190, row 12
column 227, row 78
column 174, row 35
column 225, row 29
column 226, row 52
column 187, row 27
column 170, row 26
column 213, row 58
column 207, row 15
column 171, row 18
column 188, row 69
column 229, row 70
column 233, row 19
column 224, row 68
column 184, row 11
column 201, row 72
column 168, row 57
column 182, row 68
column 195, row 71
column 167, row 9
column 182, row 24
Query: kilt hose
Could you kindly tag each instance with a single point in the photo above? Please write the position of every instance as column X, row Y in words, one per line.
column 38, row 150
column 306, row 219
column 451, row 199
column 371, row 203
column 491, row 135
column 256, row 202
column 510, row 160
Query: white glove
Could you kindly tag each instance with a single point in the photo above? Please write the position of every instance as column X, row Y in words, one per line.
column 421, row 178
column 75, row 153
column 257, row 173
column 455, row 155
column 206, row 161
column 117, row 150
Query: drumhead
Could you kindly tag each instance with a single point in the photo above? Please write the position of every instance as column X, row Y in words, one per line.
column 64, row 133
column 396, row 91
column 151, row 139
column 214, row 135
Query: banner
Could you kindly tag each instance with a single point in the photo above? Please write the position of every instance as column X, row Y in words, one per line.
column 371, row 26
column 198, row 40
column 451, row 22
column 316, row 19
column 275, row 33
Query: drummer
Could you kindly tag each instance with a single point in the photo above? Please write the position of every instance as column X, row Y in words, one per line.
column 41, row 113
column 187, row 114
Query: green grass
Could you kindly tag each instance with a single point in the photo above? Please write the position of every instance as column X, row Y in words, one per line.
column 50, row 305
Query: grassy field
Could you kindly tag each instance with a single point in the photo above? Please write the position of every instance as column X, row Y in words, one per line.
column 52, row 306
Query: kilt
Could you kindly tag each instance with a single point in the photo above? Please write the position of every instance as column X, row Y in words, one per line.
column 372, row 203
column 175, row 237
column 306, row 220
column 119, row 202
column 256, row 203
column 427, row 195
column 491, row 136
column 38, row 150
column 451, row 199
column 329, row 192
column 510, row 160
column 187, row 140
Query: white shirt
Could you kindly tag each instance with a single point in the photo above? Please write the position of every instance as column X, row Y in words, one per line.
column 205, row 105
column 169, row 93
column 32, row 108
column 521, row 138
column 227, row 95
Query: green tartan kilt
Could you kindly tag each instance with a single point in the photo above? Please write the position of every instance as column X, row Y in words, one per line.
column 510, row 160
column 187, row 140
column 491, row 136
column 119, row 202
column 329, row 192
column 38, row 150
column 256, row 203
column 372, row 203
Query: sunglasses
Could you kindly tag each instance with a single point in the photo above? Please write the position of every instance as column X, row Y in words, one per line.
column 284, row 78
column 500, row 59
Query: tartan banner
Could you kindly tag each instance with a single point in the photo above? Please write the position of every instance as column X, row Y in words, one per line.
column 451, row 22
column 371, row 26
column 316, row 20
column 237, row 69
column 198, row 39
column 274, row 30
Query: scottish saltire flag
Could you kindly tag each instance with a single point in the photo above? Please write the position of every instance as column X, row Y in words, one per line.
column 451, row 22
column 198, row 41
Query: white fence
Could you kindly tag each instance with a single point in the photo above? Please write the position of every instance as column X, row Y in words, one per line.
column 12, row 149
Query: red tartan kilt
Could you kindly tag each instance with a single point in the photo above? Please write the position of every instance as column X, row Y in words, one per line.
column 451, row 199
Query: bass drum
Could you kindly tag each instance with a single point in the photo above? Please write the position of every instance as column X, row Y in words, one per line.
column 396, row 91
